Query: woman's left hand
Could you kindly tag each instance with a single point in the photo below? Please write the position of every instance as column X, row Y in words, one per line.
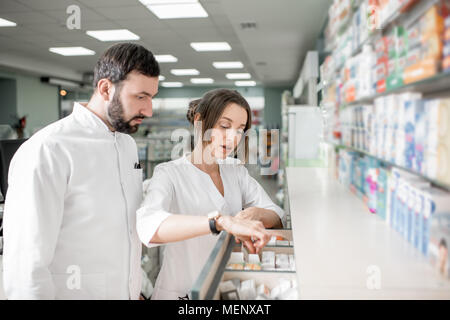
column 251, row 213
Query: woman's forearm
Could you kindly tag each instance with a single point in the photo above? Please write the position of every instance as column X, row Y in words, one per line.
column 181, row 227
column 270, row 219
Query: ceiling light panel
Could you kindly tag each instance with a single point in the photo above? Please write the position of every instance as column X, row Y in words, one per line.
column 235, row 76
column 185, row 72
column 175, row 9
column 228, row 65
column 202, row 80
column 171, row 84
column 7, row 23
column 165, row 58
column 245, row 83
column 113, row 35
column 72, row 51
column 210, row 46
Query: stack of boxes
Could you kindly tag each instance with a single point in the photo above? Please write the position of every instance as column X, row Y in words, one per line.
column 396, row 46
column 381, row 67
column 437, row 137
column 408, row 203
column 403, row 129
column 425, row 44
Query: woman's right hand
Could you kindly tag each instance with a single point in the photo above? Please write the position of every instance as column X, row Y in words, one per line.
column 252, row 233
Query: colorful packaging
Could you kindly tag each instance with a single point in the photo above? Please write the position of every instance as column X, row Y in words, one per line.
column 415, row 186
column 382, row 191
column 437, row 204
column 439, row 228
column 420, row 137
column 438, row 139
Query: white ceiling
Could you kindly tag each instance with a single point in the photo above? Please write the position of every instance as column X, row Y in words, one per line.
column 285, row 30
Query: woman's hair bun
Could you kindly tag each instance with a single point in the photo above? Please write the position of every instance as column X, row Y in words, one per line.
column 192, row 110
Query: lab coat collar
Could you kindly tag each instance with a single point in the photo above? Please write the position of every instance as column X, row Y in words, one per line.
column 89, row 119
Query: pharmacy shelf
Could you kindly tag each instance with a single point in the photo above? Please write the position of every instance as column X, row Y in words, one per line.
column 342, row 250
column 408, row 11
column 432, row 85
column 436, row 183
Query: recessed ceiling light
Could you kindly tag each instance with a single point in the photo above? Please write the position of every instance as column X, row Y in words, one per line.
column 234, row 76
column 228, row 65
column 72, row 51
column 185, row 72
column 113, row 35
column 164, row 58
column 7, row 23
column 171, row 84
column 173, row 9
column 155, row 2
column 211, row 46
column 245, row 83
column 161, row 78
column 202, row 80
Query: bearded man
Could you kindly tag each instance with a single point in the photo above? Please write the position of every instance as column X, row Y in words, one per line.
column 74, row 189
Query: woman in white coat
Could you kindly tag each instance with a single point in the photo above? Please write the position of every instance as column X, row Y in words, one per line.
column 182, row 193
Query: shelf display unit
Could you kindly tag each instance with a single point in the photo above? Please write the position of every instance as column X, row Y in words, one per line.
column 384, row 95
column 215, row 272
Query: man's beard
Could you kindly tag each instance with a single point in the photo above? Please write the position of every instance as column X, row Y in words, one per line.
column 115, row 116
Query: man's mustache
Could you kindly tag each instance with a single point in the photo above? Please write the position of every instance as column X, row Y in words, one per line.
column 138, row 117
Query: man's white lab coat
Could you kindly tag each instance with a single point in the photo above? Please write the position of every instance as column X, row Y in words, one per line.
column 70, row 213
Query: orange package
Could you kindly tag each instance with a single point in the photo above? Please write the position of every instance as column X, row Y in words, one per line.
column 432, row 48
column 421, row 70
column 432, row 23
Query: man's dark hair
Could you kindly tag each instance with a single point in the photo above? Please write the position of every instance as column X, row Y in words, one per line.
column 121, row 59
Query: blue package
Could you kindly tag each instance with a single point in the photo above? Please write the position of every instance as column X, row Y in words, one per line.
column 409, row 133
column 382, row 192
column 420, row 137
column 418, row 220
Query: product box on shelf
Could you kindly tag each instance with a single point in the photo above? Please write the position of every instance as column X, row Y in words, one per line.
column 437, row 204
column 382, row 192
column 420, row 137
column 394, row 183
column 412, row 108
column 431, row 29
column 414, row 189
column 437, row 152
column 439, row 239
column 446, row 51
column 397, row 52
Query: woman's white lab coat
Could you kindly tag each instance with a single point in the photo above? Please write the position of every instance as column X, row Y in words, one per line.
column 178, row 187
column 70, row 213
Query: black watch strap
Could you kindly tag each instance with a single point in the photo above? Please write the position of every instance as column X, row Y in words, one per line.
column 212, row 226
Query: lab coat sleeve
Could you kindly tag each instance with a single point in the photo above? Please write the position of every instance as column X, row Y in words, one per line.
column 32, row 220
column 155, row 206
column 253, row 195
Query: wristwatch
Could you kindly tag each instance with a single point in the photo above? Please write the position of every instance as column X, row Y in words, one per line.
column 212, row 217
